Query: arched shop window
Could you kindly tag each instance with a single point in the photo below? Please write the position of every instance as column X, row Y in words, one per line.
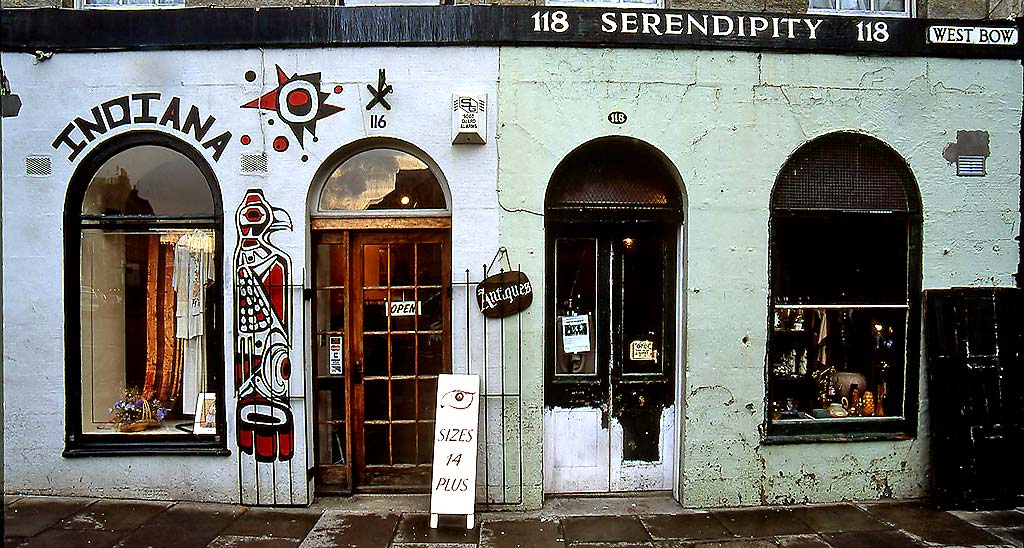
column 845, row 279
column 379, row 176
column 143, row 225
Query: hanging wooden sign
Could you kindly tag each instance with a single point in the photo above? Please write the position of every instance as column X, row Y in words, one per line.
column 504, row 294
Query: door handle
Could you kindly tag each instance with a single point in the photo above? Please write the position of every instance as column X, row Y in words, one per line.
column 357, row 373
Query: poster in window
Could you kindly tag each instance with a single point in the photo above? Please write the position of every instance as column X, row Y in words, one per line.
column 335, row 351
column 206, row 414
column 576, row 333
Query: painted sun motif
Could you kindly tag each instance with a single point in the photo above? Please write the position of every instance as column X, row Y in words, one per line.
column 298, row 101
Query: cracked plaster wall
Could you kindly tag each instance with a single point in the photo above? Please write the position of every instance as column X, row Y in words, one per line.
column 728, row 121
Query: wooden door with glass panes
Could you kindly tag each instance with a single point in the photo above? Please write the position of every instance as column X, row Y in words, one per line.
column 382, row 337
column 609, row 394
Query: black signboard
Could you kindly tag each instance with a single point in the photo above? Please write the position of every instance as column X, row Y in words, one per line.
column 504, row 294
column 47, row 29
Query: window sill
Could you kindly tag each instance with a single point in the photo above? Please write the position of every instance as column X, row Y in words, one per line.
column 839, row 431
column 787, row 439
column 147, row 449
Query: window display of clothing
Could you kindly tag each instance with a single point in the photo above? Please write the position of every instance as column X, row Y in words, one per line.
column 193, row 269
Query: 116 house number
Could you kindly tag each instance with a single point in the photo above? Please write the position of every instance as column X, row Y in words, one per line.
column 550, row 21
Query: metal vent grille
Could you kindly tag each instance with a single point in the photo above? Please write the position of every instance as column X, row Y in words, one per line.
column 38, row 166
column 845, row 171
column 254, row 163
column 614, row 173
column 970, row 166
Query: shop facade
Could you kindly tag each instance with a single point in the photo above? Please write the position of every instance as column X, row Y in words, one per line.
column 268, row 254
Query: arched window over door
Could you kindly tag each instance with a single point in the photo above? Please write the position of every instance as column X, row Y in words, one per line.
column 845, row 263
column 613, row 212
column 381, row 272
column 143, row 229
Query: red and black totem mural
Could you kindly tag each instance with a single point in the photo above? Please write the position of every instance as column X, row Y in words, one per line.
column 262, row 332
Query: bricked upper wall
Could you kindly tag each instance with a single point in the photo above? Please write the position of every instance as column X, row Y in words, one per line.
column 935, row 9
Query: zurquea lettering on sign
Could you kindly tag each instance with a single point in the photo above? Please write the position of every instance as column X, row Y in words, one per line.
column 141, row 109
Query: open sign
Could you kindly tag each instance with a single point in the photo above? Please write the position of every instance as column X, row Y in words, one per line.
column 404, row 308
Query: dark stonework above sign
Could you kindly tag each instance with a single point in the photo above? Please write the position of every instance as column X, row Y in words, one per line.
column 46, row 29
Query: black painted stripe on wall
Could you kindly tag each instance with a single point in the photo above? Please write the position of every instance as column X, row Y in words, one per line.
column 60, row 30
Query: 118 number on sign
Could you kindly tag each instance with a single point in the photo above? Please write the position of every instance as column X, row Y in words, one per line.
column 550, row 21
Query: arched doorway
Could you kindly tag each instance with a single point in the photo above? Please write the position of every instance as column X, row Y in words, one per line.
column 613, row 212
column 381, row 271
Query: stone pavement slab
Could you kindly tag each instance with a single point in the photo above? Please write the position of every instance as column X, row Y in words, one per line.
column 114, row 515
column 273, row 523
column 693, row 526
column 28, row 516
column 414, row 530
column 802, row 541
column 184, row 525
column 736, row 543
column 998, row 518
column 836, row 518
column 874, row 539
column 592, row 529
column 761, row 522
column 912, row 516
column 1013, row 537
column 526, row 533
column 73, row 538
column 352, row 531
column 239, row 541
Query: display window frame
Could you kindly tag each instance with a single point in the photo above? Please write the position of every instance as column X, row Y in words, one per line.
column 908, row 222
column 76, row 224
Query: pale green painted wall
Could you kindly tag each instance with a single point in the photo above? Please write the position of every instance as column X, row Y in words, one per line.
column 728, row 121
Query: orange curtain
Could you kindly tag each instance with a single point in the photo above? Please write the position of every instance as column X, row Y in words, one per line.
column 163, row 360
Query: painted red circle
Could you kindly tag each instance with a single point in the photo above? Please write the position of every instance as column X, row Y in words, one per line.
column 298, row 97
column 337, row 89
column 246, row 139
column 280, row 144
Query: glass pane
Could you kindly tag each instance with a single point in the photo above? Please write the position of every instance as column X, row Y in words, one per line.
column 426, row 447
column 823, row 4
column 403, row 264
column 377, row 444
column 430, row 355
column 374, row 313
column 643, row 286
column 428, row 257
column 382, row 179
column 331, row 431
column 330, row 310
column 899, row 6
column 403, row 403
column 839, row 258
column 428, row 395
column 404, row 309
column 829, row 364
column 145, row 310
column 575, row 303
column 375, row 355
column 148, row 180
column 404, row 443
column 403, row 354
column 375, row 266
column 376, row 399
column 431, row 319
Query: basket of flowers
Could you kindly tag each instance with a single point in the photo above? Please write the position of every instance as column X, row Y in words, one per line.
column 134, row 413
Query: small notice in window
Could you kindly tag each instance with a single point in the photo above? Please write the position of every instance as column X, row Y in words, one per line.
column 335, row 355
column 641, row 351
column 405, row 308
column 576, row 334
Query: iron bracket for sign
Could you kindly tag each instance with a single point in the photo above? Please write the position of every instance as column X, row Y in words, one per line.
column 503, row 253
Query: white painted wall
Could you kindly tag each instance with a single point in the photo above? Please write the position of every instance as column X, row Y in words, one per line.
column 68, row 85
